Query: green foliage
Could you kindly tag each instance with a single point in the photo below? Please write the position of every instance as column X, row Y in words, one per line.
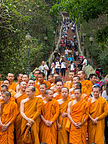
column 17, row 18
column 81, row 9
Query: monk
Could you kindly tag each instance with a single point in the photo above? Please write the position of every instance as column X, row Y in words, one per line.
column 18, row 98
column 86, row 84
column 93, row 78
column 70, row 82
column 43, row 88
column 78, row 112
column 10, row 77
column 36, row 72
column 19, row 79
column 59, row 85
column 98, row 112
column 63, row 104
column 30, row 111
column 51, row 79
column 7, row 83
column 8, row 114
column 50, row 113
column 25, row 78
column 32, row 83
column 4, row 88
column 41, row 80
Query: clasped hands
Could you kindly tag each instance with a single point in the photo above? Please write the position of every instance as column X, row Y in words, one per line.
column 30, row 122
column 79, row 124
column 48, row 123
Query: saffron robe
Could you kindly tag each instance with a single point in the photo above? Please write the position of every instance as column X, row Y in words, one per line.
column 79, row 112
column 98, row 108
column 62, row 133
column 18, row 98
column 8, row 113
column 50, row 111
column 32, row 109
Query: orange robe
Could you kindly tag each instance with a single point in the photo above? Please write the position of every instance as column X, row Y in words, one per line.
column 86, row 87
column 37, row 84
column 62, row 133
column 98, row 108
column 8, row 113
column 69, row 84
column 50, row 111
column 32, row 109
column 13, row 86
column 12, row 94
column 57, row 96
column 79, row 111
column 18, row 98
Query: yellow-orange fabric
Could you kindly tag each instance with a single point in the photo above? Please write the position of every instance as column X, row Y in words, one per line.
column 13, row 86
column 69, row 84
column 50, row 111
column 32, row 109
column 79, row 112
column 98, row 108
column 8, row 113
column 37, row 84
column 86, row 87
column 57, row 96
column 62, row 133
column 18, row 119
column 12, row 94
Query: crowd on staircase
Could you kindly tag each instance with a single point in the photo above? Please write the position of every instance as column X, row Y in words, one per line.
column 59, row 104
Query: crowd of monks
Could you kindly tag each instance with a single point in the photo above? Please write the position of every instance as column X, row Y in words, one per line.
column 51, row 111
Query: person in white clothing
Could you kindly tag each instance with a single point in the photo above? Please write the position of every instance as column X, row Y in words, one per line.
column 63, row 68
column 44, row 68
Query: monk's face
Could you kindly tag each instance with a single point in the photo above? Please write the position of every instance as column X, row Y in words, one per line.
column 49, row 96
column 10, row 77
column 5, row 98
column 6, row 82
column 42, row 89
column 31, row 83
column 64, row 92
column 3, row 89
column 77, row 93
column 75, row 79
column 81, row 75
column 19, row 78
column 93, row 79
column 36, row 74
column 71, row 75
column 96, row 92
column 23, row 86
column 25, row 78
column 29, row 93
column 59, row 86
column 50, row 79
column 40, row 78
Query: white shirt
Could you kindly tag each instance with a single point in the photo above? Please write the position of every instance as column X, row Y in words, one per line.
column 85, row 62
column 66, row 51
column 57, row 65
column 63, row 65
column 43, row 68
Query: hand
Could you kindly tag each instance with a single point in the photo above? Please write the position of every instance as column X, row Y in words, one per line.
column 59, row 126
column 76, row 125
column 30, row 121
column 81, row 123
column 4, row 128
column 29, row 125
column 94, row 121
column 50, row 123
column 47, row 123
column 64, row 114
